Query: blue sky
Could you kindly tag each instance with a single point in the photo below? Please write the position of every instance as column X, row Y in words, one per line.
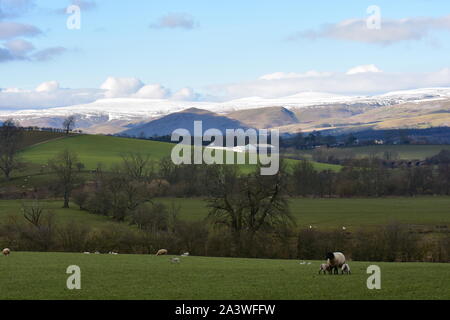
column 229, row 42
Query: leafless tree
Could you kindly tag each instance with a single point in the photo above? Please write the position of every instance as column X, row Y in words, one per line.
column 64, row 165
column 69, row 124
column 247, row 204
column 137, row 166
column 10, row 136
column 33, row 213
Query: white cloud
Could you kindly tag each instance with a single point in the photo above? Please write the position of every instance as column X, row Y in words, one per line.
column 47, row 97
column 293, row 75
column 360, row 80
column 152, row 91
column 364, row 69
column 175, row 20
column 185, row 94
column 49, row 86
column 392, row 30
column 121, row 87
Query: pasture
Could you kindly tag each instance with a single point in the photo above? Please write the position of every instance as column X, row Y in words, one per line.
column 320, row 213
column 43, row 276
column 351, row 213
column 403, row 152
column 106, row 150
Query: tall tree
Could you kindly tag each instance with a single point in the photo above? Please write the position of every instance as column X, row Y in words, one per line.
column 10, row 136
column 248, row 204
column 64, row 165
column 69, row 124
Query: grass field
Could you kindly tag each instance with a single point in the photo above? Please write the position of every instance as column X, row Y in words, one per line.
column 95, row 149
column 404, row 152
column 321, row 213
column 332, row 213
column 12, row 208
column 148, row 277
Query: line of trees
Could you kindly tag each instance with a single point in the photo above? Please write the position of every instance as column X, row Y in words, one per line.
column 159, row 226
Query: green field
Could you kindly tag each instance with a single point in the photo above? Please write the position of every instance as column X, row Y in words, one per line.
column 149, row 277
column 13, row 208
column 404, row 152
column 332, row 213
column 320, row 213
column 95, row 149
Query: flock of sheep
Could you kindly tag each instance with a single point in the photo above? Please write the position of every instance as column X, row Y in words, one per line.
column 335, row 261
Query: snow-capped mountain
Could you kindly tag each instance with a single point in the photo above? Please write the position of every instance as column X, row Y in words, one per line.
column 123, row 111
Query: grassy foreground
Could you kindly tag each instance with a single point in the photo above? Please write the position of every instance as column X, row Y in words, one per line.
column 43, row 276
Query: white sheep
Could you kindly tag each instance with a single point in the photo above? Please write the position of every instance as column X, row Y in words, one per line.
column 186, row 254
column 162, row 252
column 336, row 260
column 346, row 269
column 6, row 252
column 324, row 268
column 175, row 260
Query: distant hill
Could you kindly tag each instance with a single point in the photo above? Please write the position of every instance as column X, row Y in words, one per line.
column 184, row 120
column 265, row 117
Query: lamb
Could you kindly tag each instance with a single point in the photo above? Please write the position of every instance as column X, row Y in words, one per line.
column 6, row 252
column 175, row 260
column 162, row 252
column 346, row 269
column 324, row 268
column 335, row 260
column 186, row 254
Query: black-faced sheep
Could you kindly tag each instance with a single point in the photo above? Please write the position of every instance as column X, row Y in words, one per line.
column 162, row 252
column 336, row 260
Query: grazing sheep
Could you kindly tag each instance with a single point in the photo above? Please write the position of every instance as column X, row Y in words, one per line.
column 335, row 260
column 186, row 254
column 175, row 260
column 87, row 252
column 346, row 269
column 324, row 268
column 6, row 252
column 162, row 252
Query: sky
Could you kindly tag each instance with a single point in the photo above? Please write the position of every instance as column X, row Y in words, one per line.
column 218, row 50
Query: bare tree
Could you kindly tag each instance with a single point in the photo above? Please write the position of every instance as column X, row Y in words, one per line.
column 10, row 136
column 248, row 204
column 69, row 124
column 137, row 166
column 64, row 165
column 33, row 213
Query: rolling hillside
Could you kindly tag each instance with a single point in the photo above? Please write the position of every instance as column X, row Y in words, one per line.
column 95, row 149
